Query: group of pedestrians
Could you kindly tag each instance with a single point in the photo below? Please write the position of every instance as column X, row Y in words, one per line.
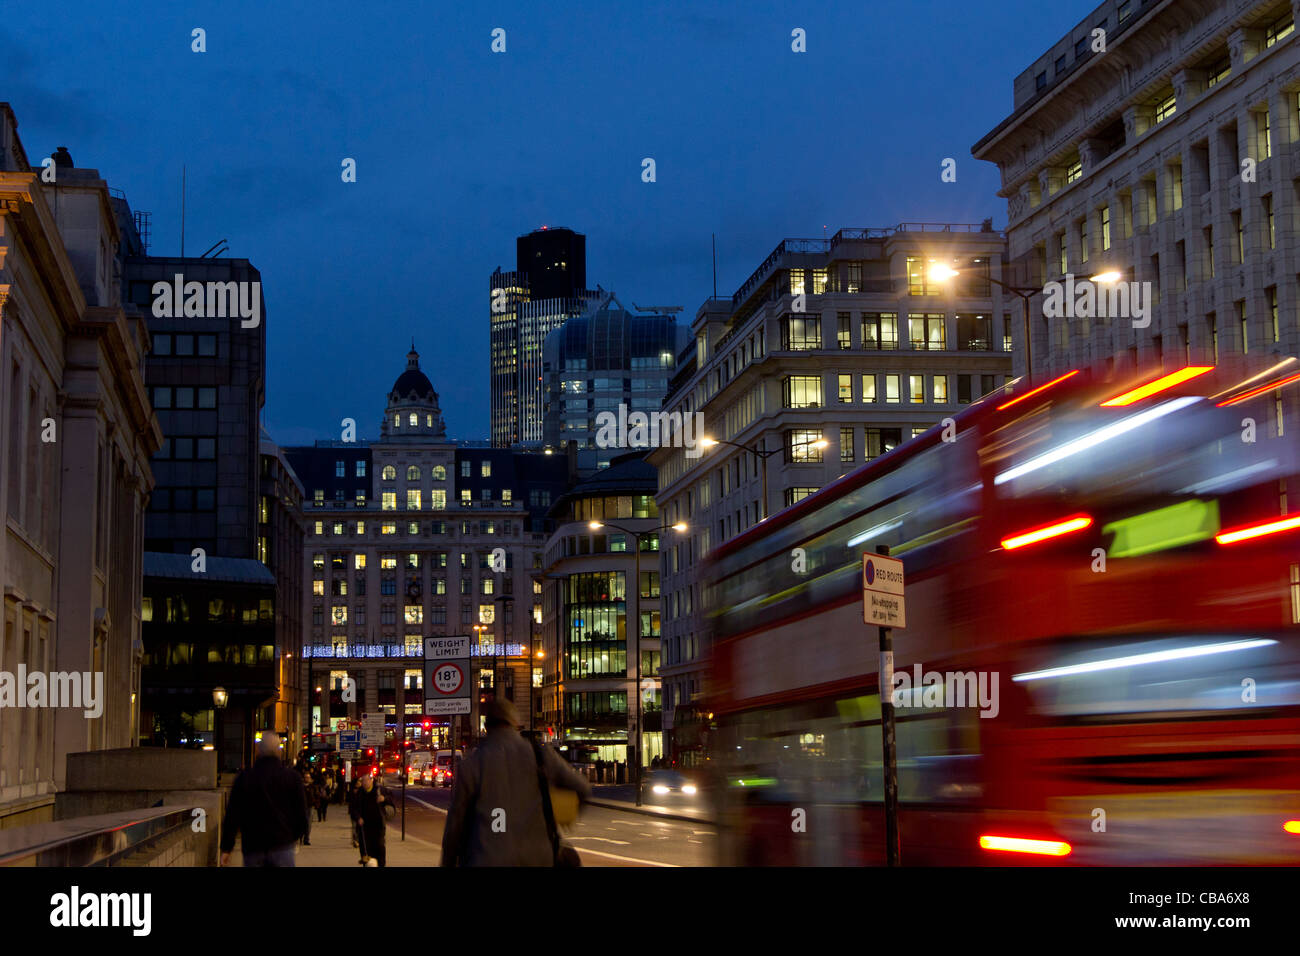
column 506, row 778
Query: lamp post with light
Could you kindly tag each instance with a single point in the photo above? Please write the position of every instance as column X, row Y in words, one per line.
column 680, row 527
column 942, row 273
column 761, row 452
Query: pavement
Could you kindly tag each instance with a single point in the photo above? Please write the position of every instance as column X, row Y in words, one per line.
column 612, row 831
column 331, row 845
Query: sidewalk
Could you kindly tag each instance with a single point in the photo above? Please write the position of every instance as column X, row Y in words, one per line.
column 331, row 845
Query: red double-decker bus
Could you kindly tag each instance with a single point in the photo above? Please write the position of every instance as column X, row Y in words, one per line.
column 1102, row 603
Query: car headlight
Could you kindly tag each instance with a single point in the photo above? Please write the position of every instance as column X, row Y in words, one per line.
column 659, row 788
column 688, row 789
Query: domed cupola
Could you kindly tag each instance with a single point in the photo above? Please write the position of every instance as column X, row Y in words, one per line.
column 412, row 410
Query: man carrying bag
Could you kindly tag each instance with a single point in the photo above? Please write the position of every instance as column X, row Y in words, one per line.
column 502, row 813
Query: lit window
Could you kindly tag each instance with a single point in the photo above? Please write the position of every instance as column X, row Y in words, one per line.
column 1073, row 171
column 389, row 473
column 438, row 499
column 388, row 527
column 1166, row 108
column 413, row 473
column 439, row 473
column 868, row 388
column 916, row 388
column 412, row 499
column 802, row 391
column 413, row 419
column 339, row 614
column 846, row 388
column 318, row 587
column 320, row 527
column 359, row 561
column 389, row 499
column 414, row 614
column 800, row 445
column 361, row 527
column 466, row 496
column 397, row 421
column 485, row 469
column 893, row 387
column 388, row 562
column 1280, row 30
column 941, row 389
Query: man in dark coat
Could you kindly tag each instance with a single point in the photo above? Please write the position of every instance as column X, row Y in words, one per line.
column 367, row 812
column 267, row 807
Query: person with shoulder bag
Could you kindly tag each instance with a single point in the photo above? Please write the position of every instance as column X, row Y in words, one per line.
column 496, row 819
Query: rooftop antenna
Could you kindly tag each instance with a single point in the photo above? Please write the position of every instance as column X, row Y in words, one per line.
column 715, row 264
column 182, row 211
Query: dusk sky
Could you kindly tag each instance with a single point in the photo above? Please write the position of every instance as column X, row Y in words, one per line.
column 460, row 149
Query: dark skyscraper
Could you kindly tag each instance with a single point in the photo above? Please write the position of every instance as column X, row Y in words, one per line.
column 555, row 262
column 547, row 288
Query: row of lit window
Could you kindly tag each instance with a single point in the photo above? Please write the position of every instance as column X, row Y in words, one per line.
column 434, row 559
column 339, row 528
column 927, row 332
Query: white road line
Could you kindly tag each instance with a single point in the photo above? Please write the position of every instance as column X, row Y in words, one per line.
column 626, row 859
column 426, row 804
column 601, row 839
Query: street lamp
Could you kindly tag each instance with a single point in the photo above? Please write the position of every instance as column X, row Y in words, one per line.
column 942, row 273
column 680, row 527
column 761, row 452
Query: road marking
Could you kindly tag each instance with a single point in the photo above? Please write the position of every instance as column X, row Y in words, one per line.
column 625, row 859
column 425, row 803
column 601, row 839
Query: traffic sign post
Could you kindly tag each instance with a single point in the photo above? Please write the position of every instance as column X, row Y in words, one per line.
column 446, row 675
column 882, row 604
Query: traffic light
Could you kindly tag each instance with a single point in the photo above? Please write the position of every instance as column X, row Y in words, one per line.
column 370, row 751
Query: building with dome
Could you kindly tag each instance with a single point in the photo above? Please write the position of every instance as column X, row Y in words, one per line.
column 415, row 535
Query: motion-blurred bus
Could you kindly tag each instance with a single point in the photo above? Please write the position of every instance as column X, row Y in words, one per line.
column 1119, row 562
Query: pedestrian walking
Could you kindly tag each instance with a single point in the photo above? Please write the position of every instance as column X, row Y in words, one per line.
column 318, row 796
column 267, row 808
column 368, row 814
column 306, row 789
column 501, row 812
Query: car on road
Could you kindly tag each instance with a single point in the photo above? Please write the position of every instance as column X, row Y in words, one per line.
column 445, row 765
column 669, row 788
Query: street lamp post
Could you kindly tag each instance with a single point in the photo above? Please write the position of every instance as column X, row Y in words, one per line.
column 942, row 273
column 761, row 452
column 637, row 536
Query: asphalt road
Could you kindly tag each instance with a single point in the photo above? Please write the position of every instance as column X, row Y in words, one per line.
column 602, row 837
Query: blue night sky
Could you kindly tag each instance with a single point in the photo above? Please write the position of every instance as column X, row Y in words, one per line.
column 459, row 150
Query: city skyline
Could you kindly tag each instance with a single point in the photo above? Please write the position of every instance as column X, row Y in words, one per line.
column 263, row 120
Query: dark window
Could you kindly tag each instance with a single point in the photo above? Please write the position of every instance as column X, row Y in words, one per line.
column 1040, row 81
